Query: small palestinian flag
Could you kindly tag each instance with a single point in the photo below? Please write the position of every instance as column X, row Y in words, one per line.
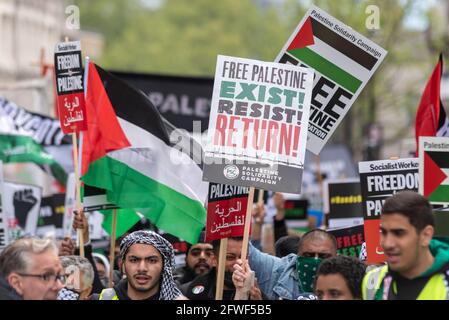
column 434, row 169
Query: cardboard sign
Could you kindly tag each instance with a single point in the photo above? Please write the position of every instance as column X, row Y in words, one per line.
column 226, row 211
column 380, row 180
column 21, row 203
column 96, row 199
column 51, row 216
column 434, row 169
column 343, row 61
column 349, row 240
column 69, row 86
column 343, row 202
column 4, row 238
column 296, row 209
column 257, row 128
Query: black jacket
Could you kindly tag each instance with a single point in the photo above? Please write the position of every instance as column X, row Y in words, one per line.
column 203, row 287
column 183, row 275
column 7, row 292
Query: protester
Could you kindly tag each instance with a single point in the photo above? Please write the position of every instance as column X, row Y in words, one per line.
column 286, row 245
column 288, row 277
column 148, row 261
column 340, row 278
column 30, row 270
column 279, row 225
column 79, row 275
column 102, row 265
column 417, row 265
column 67, row 245
column 203, row 287
column 245, row 283
column 199, row 260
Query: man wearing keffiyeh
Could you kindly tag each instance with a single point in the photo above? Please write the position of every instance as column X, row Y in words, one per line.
column 148, row 262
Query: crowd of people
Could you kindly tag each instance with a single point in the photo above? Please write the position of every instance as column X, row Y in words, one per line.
column 303, row 267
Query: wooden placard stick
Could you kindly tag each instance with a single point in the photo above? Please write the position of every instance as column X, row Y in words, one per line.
column 221, row 269
column 112, row 246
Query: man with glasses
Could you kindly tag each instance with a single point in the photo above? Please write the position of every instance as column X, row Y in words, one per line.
column 199, row 260
column 30, row 270
column 294, row 274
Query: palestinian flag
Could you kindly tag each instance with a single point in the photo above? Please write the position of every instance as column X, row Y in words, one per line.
column 431, row 118
column 316, row 46
column 126, row 219
column 45, row 131
column 16, row 148
column 434, row 169
column 127, row 152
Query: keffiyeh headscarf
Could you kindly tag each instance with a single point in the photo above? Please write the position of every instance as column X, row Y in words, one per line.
column 362, row 255
column 66, row 294
column 168, row 288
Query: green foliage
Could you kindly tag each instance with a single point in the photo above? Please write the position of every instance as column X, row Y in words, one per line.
column 184, row 37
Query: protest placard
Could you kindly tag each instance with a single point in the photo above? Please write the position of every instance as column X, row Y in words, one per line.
column 21, row 204
column 380, row 180
column 4, row 239
column 69, row 86
column 257, row 133
column 434, row 169
column 51, row 216
column 349, row 240
column 343, row 202
column 343, row 60
column 226, row 210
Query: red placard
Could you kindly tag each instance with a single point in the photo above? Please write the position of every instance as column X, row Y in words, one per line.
column 374, row 251
column 69, row 86
column 226, row 211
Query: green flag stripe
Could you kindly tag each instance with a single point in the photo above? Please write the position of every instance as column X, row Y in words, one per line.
column 126, row 219
column 440, row 194
column 343, row 45
column 327, row 68
column 170, row 210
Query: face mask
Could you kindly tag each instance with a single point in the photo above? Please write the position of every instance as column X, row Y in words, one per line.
column 307, row 268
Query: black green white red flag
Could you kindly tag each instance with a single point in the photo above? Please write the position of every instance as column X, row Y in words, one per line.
column 127, row 151
column 434, row 169
column 344, row 61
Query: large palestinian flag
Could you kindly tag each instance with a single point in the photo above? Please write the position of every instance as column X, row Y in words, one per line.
column 344, row 61
column 127, row 151
column 434, row 169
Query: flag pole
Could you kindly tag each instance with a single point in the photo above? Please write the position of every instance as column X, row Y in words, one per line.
column 221, row 269
column 249, row 207
column 112, row 246
column 260, row 197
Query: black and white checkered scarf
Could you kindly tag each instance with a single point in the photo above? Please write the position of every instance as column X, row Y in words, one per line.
column 66, row 294
column 168, row 288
